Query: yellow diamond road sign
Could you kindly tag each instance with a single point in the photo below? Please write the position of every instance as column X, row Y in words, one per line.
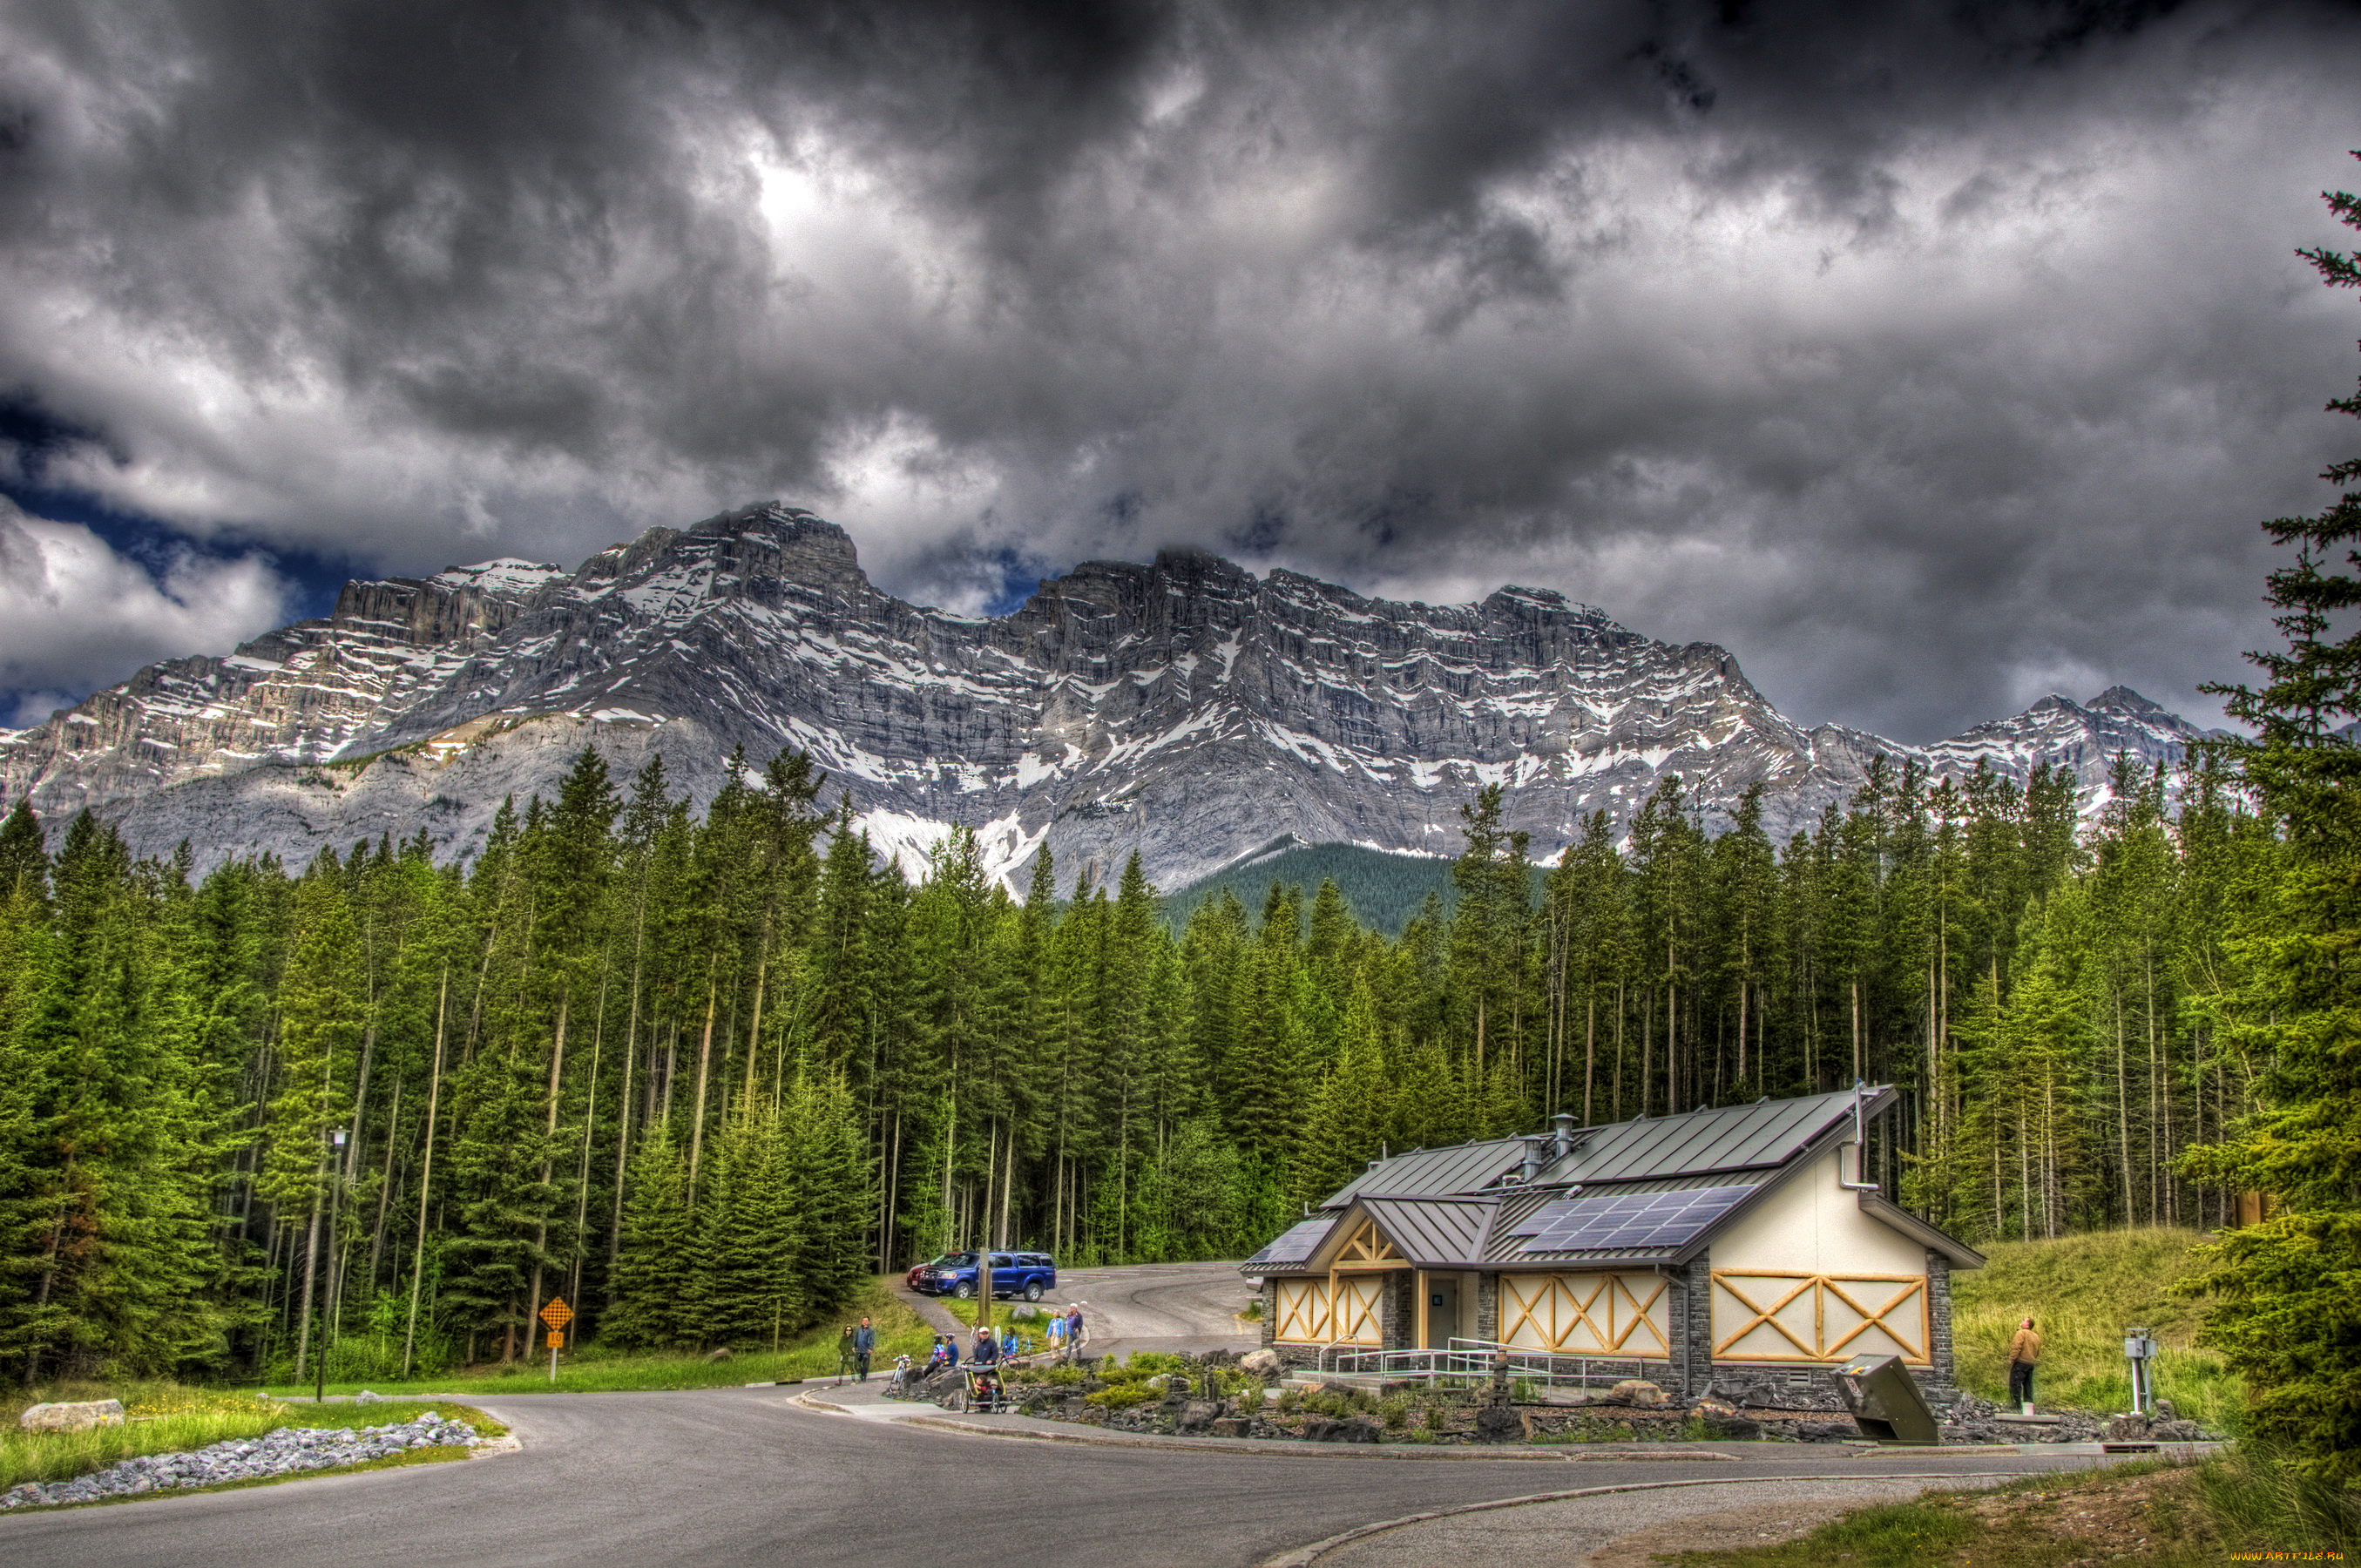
column 557, row 1314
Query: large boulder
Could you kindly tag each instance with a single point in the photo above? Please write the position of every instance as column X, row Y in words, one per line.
column 81, row 1417
column 1198, row 1415
column 1262, row 1362
column 1499, row 1421
column 1632, row 1391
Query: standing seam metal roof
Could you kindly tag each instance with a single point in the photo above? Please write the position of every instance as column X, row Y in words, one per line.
column 1412, row 1195
column 1432, row 1231
column 1436, row 1173
column 1729, row 1137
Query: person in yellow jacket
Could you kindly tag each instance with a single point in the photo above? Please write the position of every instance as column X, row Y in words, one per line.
column 2023, row 1356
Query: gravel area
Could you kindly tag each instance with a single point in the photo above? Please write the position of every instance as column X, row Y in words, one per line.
column 1581, row 1530
column 282, row 1453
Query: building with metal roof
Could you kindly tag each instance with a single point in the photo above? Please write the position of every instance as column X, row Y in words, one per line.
column 1734, row 1239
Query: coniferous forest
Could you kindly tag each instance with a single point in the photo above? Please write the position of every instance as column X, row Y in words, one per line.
column 700, row 1074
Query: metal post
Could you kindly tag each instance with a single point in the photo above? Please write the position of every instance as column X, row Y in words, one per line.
column 2139, row 1350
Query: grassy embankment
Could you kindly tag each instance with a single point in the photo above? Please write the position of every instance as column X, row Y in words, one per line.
column 2083, row 1292
column 170, row 1417
column 592, row 1370
column 2236, row 1506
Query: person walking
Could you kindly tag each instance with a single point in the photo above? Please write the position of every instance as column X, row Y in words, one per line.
column 844, row 1354
column 864, row 1345
column 1056, row 1337
column 1075, row 1337
column 2023, row 1356
column 982, row 1369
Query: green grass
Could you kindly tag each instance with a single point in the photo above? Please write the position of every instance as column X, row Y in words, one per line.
column 195, row 1419
column 2239, row 1504
column 900, row 1331
column 2082, row 1293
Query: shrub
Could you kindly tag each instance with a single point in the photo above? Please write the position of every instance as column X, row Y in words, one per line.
column 1396, row 1412
column 1121, row 1396
column 1435, row 1416
column 1288, row 1399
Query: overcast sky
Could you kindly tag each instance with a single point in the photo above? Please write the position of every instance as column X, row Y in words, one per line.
column 1930, row 358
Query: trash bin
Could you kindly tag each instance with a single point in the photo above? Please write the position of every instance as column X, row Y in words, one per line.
column 1885, row 1401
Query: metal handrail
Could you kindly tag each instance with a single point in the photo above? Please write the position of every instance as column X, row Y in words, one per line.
column 1478, row 1358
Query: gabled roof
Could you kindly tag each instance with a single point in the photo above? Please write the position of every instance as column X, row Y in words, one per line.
column 1761, row 1137
column 1466, row 1207
column 1289, row 1251
column 1433, row 1232
column 1455, row 1171
column 1764, row 1135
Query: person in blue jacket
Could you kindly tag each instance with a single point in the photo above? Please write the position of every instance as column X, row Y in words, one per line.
column 864, row 1345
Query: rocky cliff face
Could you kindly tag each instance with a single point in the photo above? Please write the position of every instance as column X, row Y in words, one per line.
column 1183, row 708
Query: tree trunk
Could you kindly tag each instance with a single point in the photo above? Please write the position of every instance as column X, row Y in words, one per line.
column 704, row 1065
column 425, row 1177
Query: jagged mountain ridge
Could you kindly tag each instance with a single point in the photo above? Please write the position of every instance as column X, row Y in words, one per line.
column 1185, row 709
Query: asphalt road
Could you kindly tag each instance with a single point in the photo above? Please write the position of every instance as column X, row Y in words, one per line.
column 1161, row 1306
column 726, row 1477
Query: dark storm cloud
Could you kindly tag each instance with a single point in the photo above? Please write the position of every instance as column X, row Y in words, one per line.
column 1928, row 357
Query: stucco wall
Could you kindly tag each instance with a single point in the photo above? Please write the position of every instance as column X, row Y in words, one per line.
column 1812, row 1225
column 1835, row 1282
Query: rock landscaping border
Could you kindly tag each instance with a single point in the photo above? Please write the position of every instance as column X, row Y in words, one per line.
column 289, row 1451
column 1220, row 1394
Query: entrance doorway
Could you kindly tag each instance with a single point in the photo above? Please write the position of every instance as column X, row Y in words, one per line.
column 1441, row 1310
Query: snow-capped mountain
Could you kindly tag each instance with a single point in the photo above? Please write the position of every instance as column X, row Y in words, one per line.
column 1185, row 709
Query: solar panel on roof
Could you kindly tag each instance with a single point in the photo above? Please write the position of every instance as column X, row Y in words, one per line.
column 1295, row 1245
column 1618, row 1224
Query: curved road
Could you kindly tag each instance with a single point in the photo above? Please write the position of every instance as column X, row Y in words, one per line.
column 726, row 1477
column 1162, row 1306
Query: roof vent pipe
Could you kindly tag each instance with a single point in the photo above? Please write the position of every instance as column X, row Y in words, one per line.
column 1561, row 1135
column 1860, row 1145
column 1533, row 1162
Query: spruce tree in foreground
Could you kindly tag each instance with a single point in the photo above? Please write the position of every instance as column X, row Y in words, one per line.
column 2290, row 1313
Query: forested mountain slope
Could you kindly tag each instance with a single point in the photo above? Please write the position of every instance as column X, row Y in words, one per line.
column 1185, row 710
column 699, row 1074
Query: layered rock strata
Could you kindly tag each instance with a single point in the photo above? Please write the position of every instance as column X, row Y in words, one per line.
column 1183, row 708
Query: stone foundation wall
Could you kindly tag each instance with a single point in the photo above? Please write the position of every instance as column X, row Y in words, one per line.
column 1811, row 1387
column 1690, row 1316
column 1398, row 1311
column 1943, row 1370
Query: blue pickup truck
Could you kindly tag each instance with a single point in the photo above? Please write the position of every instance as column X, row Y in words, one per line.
column 1031, row 1275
